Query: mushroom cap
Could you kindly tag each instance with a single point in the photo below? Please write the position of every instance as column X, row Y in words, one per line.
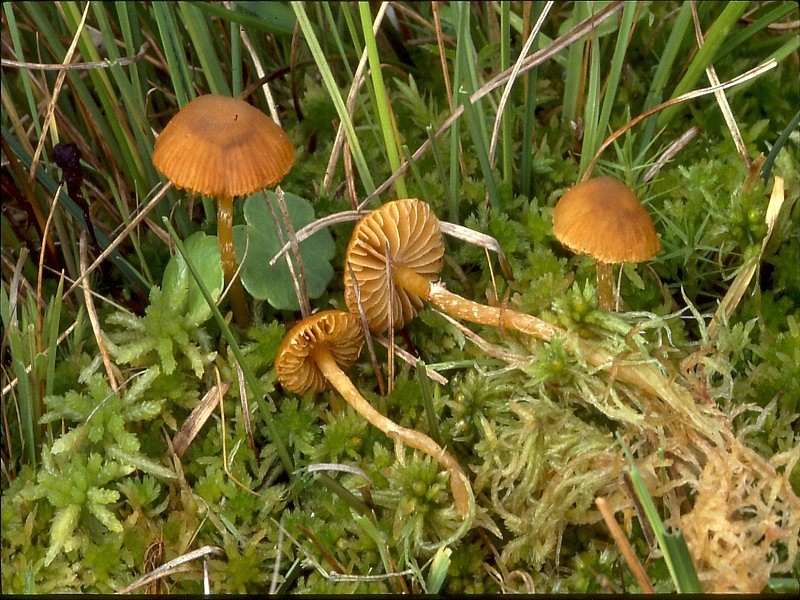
column 338, row 331
column 221, row 146
column 604, row 219
column 411, row 231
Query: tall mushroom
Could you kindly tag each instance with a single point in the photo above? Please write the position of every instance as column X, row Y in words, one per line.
column 403, row 238
column 224, row 148
column 313, row 354
column 601, row 217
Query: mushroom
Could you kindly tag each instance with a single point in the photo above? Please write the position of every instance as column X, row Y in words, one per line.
column 223, row 148
column 313, row 354
column 404, row 235
column 403, row 238
column 601, row 217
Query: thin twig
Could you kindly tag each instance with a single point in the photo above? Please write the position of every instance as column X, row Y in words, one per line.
column 739, row 79
column 90, row 310
column 675, row 147
column 123, row 234
column 298, row 279
column 51, row 106
column 248, row 427
column 273, row 109
column 225, row 465
column 170, row 567
column 318, row 225
column 624, row 546
column 727, row 113
column 408, row 358
column 101, row 64
column 390, row 297
column 349, row 177
column 367, row 333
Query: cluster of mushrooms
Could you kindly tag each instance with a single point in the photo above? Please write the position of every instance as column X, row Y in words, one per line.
column 392, row 262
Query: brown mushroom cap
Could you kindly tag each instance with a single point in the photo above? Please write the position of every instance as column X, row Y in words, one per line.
column 341, row 334
column 604, row 219
column 411, row 231
column 220, row 146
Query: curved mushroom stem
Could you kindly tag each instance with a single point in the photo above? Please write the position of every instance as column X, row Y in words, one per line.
column 241, row 312
column 341, row 382
column 604, row 286
column 644, row 376
column 474, row 312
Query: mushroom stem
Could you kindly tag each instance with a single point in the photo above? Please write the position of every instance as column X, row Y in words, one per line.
column 241, row 312
column 605, row 280
column 644, row 376
column 474, row 312
column 411, row 437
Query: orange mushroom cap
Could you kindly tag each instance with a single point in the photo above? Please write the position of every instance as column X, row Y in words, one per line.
column 340, row 332
column 411, row 231
column 601, row 217
column 221, row 146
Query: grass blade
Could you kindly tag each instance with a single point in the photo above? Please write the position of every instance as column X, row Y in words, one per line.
column 676, row 554
column 335, row 95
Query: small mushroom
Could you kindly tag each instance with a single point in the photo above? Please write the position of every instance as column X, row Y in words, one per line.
column 601, row 217
column 313, row 354
column 223, row 148
column 403, row 238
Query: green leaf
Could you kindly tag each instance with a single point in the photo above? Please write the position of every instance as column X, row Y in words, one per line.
column 61, row 533
column 140, row 462
column 439, row 566
column 274, row 284
column 98, row 497
column 179, row 291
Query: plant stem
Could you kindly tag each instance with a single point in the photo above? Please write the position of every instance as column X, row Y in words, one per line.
column 241, row 312
column 474, row 312
column 411, row 437
column 604, row 283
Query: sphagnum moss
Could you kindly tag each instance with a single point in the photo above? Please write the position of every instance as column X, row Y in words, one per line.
column 558, row 411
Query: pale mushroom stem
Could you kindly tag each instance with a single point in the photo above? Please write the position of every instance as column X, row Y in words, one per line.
column 411, row 437
column 605, row 280
column 643, row 376
column 241, row 312
column 474, row 312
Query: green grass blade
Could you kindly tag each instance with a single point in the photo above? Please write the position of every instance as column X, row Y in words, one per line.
column 600, row 127
column 16, row 41
column 171, row 39
column 381, row 98
column 666, row 66
column 268, row 17
column 335, row 95
column 452, row 197
column 420, row 181
column 676, row 554
column 464, row 87
column 427, row 399
column 714, row 38
column 236, row 57
column 570, row 104
column 591, row 106
column 505, row 62
column 202, row 37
